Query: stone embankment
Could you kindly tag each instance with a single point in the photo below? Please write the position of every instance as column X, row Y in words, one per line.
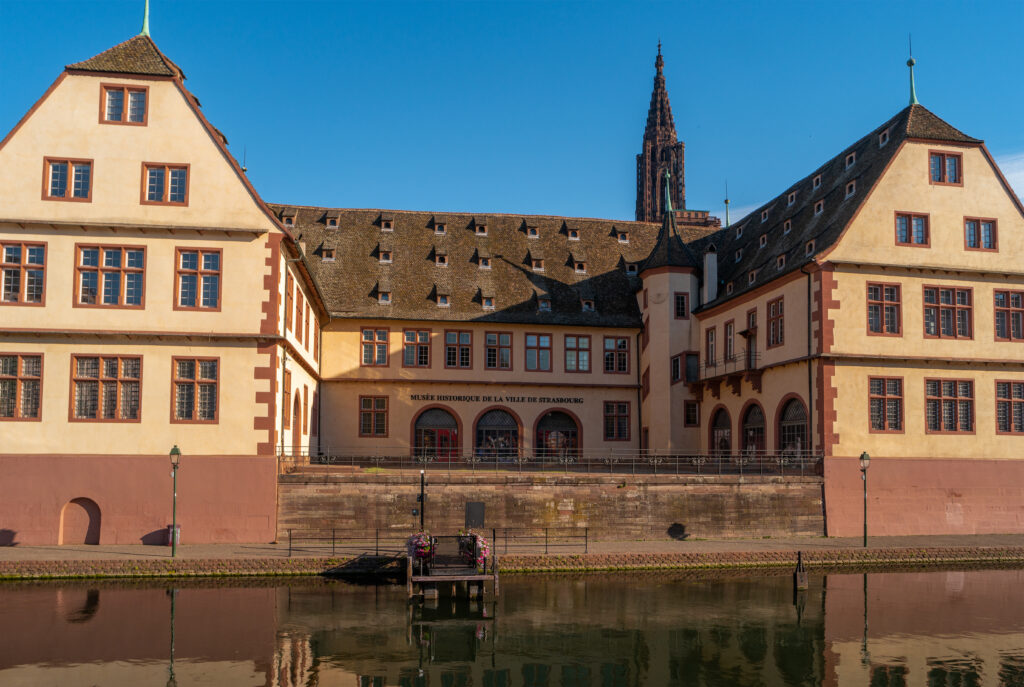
column 834, row 558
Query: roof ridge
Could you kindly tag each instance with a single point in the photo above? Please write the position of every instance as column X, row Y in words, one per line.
column 463, row 212
column 137, row 55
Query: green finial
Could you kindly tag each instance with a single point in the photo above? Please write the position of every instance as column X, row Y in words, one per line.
column 727, row 204
column 668, row 192
column 145, row 21
column 910, row 63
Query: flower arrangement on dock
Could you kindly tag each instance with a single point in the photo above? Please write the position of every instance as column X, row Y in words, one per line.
column 483, row 547
column 420, row 545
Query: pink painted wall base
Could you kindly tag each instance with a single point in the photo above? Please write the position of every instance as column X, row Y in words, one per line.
column 908, row 496
column 50, row 500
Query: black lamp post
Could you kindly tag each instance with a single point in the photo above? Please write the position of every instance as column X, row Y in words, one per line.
column 175, row 464
column 423, row 497
column 865, row 462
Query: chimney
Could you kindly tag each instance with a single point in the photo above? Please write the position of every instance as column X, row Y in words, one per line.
column 710, row 274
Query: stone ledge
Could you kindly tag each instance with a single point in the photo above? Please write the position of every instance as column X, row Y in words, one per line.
column 436, row 478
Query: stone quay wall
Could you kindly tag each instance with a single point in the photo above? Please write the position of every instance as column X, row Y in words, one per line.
column 614, row 505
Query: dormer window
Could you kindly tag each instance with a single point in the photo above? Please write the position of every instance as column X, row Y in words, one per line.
column 816, row 182
column 538, row 265
column 289, row 221
column 623, row 237
column 728, row 289
column 787, row 226
column 574, row 235
column 485, row 263
column 588, row 305
column 385, row 256
column 809, row 247
column 850, row 160
column 764, row 215
column 544, row 305
column 819, row 207
column 480, row 229
column 763, row 241
column 440, row 228
column 630, row 268
column 780, row 262
column 751, row 276
column 387, row 225
column 581, row 267
column 851, row 188
column 533, row 232
column 488, row 302
column 384, row 297
column 441, row 260
column 332, row 221
column 739, row 254
column 791, row 198
column 883, row 138
column 327, row 255
column 739, row 231
column 442, row 300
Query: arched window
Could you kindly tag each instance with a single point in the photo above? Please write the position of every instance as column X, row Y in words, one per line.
column 497, row 435
column 721, row 432
column 793, row 427
column 557, row 435
column 753, row 430
column 436, row 434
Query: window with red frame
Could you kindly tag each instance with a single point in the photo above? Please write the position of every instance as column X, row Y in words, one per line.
column 945, row 168
column 776, row 323
column 373, row 416
column 1009, row 313
column 947, row 313
column 691, row 414
column 885, row 404
column 682, row 306
column 616, row 354
column 106, row 387
column 949, row 406
column 197, row 278
column 195, row 383
column 375, row 347
column 416, row 351
column 21, row 382
column 458, row 350
column 498, row 350
column 883, row 308
column 538, row 352
column 577, row 353
column 23, row 272
column 111, row 276
column 1010, row 407
column 616, row 421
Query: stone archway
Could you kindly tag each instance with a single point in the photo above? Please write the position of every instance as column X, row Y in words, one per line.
column 79, row 522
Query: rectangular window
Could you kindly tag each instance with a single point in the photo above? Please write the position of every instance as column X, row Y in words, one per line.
column 305, row 333
column 980, row 234
column 22, row 273
column 691, row 414
column 373, row 416
column 616, row 421
column 65, row 179
column 1009, row 315
column 110, row 276
column 776, row 323
column 949, row 406
column 375, row 348
column 121, row 104
column 682, row 306
column 729, row 333
column 498, row 350
column 884, row 315
column 947, row 313
column 106, row 388
column 676, row 368
column 1010, row 407
column 885, row 404
column 577, row 353
column 458, row 350
column 287, row 394
column 692, row 370
column 710, row 354
column 197, row 279
column 538, row 352
column 945, row 168
column 164, row 184
column 21, row 383
column 289, row 284
column 195, row 389
column 416, row 350
column 912, row 230
column 616, row 354
column 298, row 313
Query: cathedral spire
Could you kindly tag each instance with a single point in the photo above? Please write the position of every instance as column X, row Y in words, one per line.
column 661, row 152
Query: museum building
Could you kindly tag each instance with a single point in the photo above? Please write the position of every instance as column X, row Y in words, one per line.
column 874, row 305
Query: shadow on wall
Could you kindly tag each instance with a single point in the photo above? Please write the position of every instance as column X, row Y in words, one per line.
column 7, row 538
column 677, row 531
column 155, row 538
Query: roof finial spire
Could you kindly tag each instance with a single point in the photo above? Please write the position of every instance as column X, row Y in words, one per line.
column 910, row 63
column 668, row 192
column 658, row 61
column 726, row 203
column 145, row 21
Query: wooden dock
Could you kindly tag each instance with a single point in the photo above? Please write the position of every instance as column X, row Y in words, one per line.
column 446, row 569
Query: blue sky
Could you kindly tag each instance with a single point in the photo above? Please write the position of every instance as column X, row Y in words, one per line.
column 539, row 107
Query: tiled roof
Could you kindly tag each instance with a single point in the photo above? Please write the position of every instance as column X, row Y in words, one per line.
column 137, row 55
column 824, row 228
column 351, row 283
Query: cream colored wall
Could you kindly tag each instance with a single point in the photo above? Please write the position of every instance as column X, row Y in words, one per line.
column 305, row 348
column 66, row 124
column 233, row 434
column 300, row 379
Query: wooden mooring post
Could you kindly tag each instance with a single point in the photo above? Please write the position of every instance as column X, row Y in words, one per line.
column 800, row 574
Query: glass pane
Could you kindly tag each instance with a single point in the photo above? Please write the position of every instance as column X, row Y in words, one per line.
column 130, row 368
column 90, row 257
column 584, row 360
column 30, row 398
column 179, row 179
column 112, row 257
column 58, row 179
column 12, row 254
column 545, row 359
column 115, row 105
column 894, row 387
column 211, row 262
column 31, row 366
column 187, row 291
column 211, row 290
column 492, row 339
column 33, row 286
column 184, row 401
column 155, row 185
column 186, row 369
column 82, row 181
column 506, row 339
column 11, row 285
column 450, row 337
column 111, row 288
column 876, row 386
column 136, row 106
column 129, row 400
column 464, row 338
column 133, row 288
column 207, row 402
column 189, row 260
column 87, row 367
column 135, row 259
column 110, row 368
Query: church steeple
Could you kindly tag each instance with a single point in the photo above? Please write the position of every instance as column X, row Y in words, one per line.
column 661, row 152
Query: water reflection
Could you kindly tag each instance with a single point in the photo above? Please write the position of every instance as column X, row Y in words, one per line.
column 880, row 629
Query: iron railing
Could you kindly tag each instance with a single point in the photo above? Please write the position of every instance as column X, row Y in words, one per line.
column 738, row 362
column 392, row 542
column 746, row 462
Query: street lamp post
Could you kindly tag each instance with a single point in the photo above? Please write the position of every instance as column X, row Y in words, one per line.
column 175, row 464
column 865, row 462
column 423, row 497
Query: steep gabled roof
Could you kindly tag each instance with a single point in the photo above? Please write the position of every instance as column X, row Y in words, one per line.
column 137, row 55
column 739, row 249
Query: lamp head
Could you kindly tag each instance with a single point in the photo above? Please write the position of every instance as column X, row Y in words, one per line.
column 865, row 461
column 175, row 456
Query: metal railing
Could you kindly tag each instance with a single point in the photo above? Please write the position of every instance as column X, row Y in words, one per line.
column 378, row 542
column 738, row 362
column 747, row 462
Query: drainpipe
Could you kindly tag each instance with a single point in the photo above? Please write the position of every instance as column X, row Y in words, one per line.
column 639, row 391
column 810, row 362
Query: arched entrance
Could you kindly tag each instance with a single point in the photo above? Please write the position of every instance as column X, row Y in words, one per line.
column 721, row 432
column 557, row 434
column 753, row 429
column 79, row 522
column 793, row 427
column 297, row 427
column 497, row 435
column 436, row 433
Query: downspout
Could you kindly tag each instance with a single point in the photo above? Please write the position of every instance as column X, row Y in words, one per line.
column 639, row 390
column 810, row 362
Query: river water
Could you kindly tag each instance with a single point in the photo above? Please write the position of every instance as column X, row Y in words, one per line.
column 948, row 628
